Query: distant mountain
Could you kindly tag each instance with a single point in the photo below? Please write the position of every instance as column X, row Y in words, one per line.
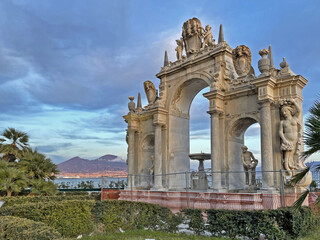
column 109, row 165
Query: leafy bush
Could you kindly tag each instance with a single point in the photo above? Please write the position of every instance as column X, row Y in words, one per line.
column 16, row 228
column 134, row 215
column 195, row 220
column 70, row 218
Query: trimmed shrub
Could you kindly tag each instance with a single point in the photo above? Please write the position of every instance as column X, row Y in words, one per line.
column 11, row 201
column 296, row 223
column 195, row 220
column 134, row 215
column 233, row 223
column 15, row 228
column 283, row 223
column 70, row 218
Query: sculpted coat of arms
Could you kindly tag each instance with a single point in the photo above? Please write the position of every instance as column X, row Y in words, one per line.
column 242, row 60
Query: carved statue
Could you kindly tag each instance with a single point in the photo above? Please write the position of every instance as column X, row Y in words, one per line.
column 289, row 132
column 242, row 60
column 151, row 91
column 207, row 38
column 179, row 48
column 151, row 171
column 249, row 164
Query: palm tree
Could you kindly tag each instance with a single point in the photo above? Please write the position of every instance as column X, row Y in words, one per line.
column 312, row 141
column 13, row 143
column 37, row 165
column 42, row 187
column 312, row 133
column 12, row 179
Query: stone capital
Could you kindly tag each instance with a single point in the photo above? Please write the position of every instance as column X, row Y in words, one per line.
column 265, row 103
column 215, row 113
column 132, row 130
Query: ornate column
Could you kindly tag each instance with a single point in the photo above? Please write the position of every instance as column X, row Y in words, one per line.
column 164, row 155
column 215, row 150
column 266, row 145
column 131, row 156
column 157, row 158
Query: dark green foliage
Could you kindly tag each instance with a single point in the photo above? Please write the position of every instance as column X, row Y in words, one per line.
column 15, row 228
column 134, row 215
column 295, row 222
column 70, row 218
column 195, row 220
column 285, row 223
column 231, row 223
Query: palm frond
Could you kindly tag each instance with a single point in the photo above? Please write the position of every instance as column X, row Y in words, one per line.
column 298, row 203
column 299, row 176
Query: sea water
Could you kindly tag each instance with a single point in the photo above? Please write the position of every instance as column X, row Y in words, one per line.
column 107, row 181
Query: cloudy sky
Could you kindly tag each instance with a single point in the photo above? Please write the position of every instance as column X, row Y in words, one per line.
column 68, row 67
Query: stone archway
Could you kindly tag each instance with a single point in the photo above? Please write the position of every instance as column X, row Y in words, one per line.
column 178, row 127
column 235, row 140
column 237, row 99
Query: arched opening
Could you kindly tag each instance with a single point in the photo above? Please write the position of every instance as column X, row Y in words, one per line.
column 200, row 128
column 179, row 128
column 243, row 131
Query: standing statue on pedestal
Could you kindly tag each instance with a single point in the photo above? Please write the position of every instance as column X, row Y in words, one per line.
column 207, row 38
column 289, row 132
column 249, row 164
column 179, row 48
column 151, row 91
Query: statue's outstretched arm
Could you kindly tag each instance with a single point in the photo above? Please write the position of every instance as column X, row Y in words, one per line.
column 297, row 108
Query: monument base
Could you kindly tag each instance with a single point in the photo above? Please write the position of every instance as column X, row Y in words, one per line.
column 208, row 200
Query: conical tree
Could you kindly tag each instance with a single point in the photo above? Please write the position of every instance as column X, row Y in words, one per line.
column 13, row 144
column 12, row 179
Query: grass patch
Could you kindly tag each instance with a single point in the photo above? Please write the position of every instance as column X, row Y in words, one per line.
column 312, row 235
column 146, row 234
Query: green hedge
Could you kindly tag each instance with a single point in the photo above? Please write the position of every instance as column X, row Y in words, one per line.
column 295, row 223
column 11, row 201
column 194, row 219
column 232, row 223
column 283, row 223
column 70, row 218
column 134, row 215
column 74, row 217
column 15, row 228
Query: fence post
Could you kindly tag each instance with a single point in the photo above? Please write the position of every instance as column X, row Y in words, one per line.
column 282, row 196
column 187, row 189
column 101, row 198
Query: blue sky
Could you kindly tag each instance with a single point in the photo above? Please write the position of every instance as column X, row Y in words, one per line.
column 68, row 67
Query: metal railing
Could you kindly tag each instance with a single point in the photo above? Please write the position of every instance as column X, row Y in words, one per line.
column 219, row 181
